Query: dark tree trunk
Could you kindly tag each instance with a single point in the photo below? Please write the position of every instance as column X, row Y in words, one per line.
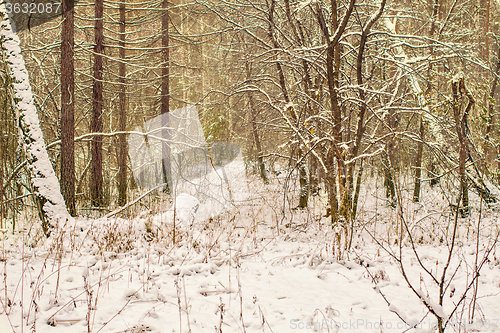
column 67, row 108
column 420, row 144
column 2, row 192
column 332, row 187
column 418, row 164
column 260, row 160
column 491, row 106
column 96, row 125
column 122, row 116
column 333, row 74
column 165, row 94
column 390, row 190
column 256, row 137
column 303, row 179
column 356, row 193
column 459, row 90
column 346, row 200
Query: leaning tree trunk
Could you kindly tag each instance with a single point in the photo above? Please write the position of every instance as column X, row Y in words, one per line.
column 43, row 178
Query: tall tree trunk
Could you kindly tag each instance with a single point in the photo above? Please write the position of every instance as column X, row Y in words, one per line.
column 491, row 107
column 420, row 143
column 122, row 116
column 331, row 184
column 312, row 182
column 418, row 163
column 356, row 193
column 390, row 189
column 67, row 107
column 43, row 178
column 255, row 132
column 346, row 203
column 96, row 124
column 458, row 87
column 484, row 21
column 333, row 74
column 304, row 186
column 165, row 95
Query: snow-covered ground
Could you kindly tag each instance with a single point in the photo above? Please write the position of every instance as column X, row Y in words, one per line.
column 246, row 270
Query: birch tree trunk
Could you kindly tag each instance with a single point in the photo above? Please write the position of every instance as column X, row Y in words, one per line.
column 43, row 178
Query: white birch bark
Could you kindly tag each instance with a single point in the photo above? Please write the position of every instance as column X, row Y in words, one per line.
column 43, row 177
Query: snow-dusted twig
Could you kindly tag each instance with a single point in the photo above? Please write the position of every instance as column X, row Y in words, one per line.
column 120, row 209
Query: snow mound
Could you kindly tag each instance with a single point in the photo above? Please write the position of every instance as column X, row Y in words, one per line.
column 186, row 206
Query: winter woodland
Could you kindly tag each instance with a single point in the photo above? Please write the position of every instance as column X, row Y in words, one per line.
column 249, row 166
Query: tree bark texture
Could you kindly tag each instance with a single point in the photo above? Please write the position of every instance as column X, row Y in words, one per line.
column 122, row 115
column 459, row 89
column 67, row 108
column 96, row 124
column 165, row 94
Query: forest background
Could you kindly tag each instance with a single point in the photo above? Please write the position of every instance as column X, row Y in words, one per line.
column 328, row 93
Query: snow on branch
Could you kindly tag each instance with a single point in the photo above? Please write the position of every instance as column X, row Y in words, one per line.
column 43, row 177
column 415, row 86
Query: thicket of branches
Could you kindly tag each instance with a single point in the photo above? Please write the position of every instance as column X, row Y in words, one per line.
column 319, row 88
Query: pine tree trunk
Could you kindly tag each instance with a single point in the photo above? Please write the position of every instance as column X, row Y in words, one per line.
column 122, row 116
column 43, row 178
column 96, row 124
column 68, row 108
column 165, row 95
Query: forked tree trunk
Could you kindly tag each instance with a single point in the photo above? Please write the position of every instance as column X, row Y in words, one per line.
column 122, row 116
column 303, row 179
column 43, row 178
column 96, row 192
column 333, row 73
column 346, row 204
column 68, row 107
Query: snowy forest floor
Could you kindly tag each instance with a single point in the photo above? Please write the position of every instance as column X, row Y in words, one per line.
column 249, row 270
